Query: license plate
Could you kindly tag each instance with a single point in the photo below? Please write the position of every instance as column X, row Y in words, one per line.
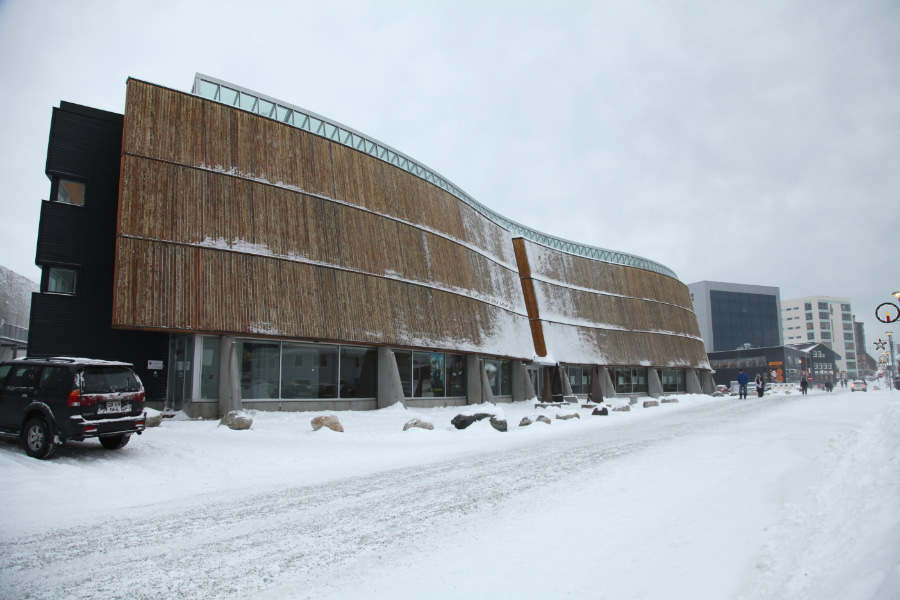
column 113, row 406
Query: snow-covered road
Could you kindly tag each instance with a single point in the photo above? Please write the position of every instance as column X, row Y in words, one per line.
column 697, row 500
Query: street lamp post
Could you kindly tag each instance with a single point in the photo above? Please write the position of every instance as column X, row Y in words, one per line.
column 893, row 364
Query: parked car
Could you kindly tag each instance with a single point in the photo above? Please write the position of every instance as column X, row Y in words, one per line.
column 858, row 385
column 724, row 389
column 47, row 402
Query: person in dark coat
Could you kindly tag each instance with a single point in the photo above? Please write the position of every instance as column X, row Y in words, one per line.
column 760, row 385
column 804, row 384
column 742, row 384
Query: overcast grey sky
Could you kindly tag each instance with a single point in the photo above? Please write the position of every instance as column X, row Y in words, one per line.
column 751, row 142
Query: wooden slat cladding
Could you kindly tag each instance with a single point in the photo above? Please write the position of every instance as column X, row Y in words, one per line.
column 577, row 271
column 557, row 303
column 162, row 201
column 167, row 286
column 188, row 130
column 627, row 347
column 632, row 323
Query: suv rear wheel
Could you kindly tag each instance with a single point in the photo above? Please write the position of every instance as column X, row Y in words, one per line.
column 38, row 438
column 114, row 442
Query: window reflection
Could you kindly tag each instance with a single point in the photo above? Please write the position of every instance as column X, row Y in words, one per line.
column 309, row 371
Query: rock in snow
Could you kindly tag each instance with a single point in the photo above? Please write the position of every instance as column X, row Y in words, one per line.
column 418, row 423
column 565, row 415
column 329, row 421
column 650, row 403
column 463, row 421
column 669, row 400
column 237, row 420
column 625, row 408
column 602, row 411
column 153, row 418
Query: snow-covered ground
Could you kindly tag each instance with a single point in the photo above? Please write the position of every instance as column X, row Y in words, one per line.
column 780, row 497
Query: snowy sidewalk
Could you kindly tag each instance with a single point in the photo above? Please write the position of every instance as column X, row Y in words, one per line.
column 709, row 498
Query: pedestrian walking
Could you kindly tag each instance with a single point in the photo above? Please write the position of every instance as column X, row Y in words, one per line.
column 760, row 385
column 803, row 386
column 742, row 384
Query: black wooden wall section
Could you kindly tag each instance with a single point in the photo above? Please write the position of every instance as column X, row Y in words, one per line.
column 86, row 146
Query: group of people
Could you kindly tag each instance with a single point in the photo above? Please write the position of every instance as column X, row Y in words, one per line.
column 743, row 380
column 760, row 382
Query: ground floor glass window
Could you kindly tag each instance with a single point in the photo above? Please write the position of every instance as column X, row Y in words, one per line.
column 630, row 380
column 309, row 371
column 499, row 374
column 672, row 380
column 259, row 369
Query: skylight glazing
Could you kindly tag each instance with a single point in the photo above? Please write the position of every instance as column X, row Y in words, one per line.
column 233, row 95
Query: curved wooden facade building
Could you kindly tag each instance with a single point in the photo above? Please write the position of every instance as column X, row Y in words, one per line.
column 297, row 264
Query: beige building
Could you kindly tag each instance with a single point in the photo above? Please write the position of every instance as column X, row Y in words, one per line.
column 824, row 319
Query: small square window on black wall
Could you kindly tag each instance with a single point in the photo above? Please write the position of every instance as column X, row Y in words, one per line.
column 62, row 281
column 70, row 192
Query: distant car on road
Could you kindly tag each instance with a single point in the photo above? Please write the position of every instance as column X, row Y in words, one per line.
column 858, row 385
column 49, row 401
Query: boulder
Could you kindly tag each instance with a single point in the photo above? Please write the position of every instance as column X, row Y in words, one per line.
column 329, row 421
column 543, row 419
column 463, row 421
column 602, row 411
column 526, row 421
column 418, row 423
column 236, row 420
column 669, row 400
column 498, row 423
column 650, row 403
column 152, row 418
column 566, row 415
column 625, row 408
column 717, row 395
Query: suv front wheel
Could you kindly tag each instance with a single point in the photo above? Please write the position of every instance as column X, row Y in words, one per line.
column 38, row 438
column 114, row 442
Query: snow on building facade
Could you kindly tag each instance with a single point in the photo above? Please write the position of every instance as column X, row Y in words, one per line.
column 249, row 252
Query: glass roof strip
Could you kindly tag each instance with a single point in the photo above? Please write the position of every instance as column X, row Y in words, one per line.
column 218, row 91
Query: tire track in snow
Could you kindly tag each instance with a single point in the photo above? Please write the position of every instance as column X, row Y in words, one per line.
column 240, row 547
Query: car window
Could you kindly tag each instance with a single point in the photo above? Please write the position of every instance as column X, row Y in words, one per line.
column 24, row 376
column 107, row 380
column 53, row 378
column 4, row 371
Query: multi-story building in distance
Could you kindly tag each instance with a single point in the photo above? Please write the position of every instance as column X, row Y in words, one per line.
column 823, row 319
column 736, row 315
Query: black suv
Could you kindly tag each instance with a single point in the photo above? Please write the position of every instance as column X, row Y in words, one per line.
column 47, row 402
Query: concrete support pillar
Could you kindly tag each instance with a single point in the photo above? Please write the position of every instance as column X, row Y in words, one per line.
column 521, row 382
column 229, row 377
column 487, row 394
column 606, row 382
column 596, row 391
column 653, row 384
column 707, row 382
column 390, row 386
column 693, row 383
column 473, row 379
column 564, row 378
